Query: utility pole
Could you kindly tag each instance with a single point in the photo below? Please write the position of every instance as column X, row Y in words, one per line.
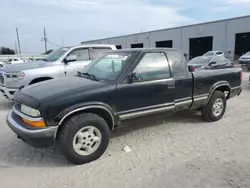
column 18, row 43
column 45, row 39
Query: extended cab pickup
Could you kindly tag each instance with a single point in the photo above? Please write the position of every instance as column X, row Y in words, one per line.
column 79, row 112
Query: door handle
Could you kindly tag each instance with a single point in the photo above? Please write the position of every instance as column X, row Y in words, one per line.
column 171, row 85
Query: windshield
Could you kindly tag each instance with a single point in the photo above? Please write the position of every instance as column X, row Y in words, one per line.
column 109, row 66
column 200, row 60
column 209, row 54
column 55, row 55
column 248, row 53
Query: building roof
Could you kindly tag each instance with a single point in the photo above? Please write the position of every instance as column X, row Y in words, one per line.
column 222, row 20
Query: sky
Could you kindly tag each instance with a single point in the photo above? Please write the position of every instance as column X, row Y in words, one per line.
column 68, row 22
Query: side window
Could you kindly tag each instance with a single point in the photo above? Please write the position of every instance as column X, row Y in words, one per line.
column 81, row 54
column 178, row 63
column 153, row 66
column 98, row 52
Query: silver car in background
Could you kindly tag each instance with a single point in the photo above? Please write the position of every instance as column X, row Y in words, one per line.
column 64, row 61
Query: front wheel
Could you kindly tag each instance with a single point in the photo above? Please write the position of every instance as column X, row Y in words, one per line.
column 84, row 138
column 215, row 108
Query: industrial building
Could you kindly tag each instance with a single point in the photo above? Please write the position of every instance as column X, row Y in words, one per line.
column 230, row 35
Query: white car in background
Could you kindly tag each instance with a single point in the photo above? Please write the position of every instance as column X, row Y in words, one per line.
column 214, row 53
column 245, row 59
column 10, row 61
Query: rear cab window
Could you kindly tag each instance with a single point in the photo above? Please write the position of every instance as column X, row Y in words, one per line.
column 152, row 66
column 177, row 62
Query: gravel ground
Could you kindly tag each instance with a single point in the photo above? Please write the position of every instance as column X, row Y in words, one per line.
column 177, row 151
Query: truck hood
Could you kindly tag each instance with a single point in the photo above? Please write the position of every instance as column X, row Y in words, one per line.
column 65, row 86
column 25, row 66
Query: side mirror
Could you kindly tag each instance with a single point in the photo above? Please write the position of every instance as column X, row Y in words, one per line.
column 70, row 58
column 132, row 77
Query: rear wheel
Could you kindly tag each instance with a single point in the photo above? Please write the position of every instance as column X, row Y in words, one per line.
column 215, row 108
column 84, row 138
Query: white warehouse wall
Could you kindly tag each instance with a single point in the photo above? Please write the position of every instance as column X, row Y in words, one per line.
column 217, row 30
column 241, row 25
column 170, row 34
column 223, row 33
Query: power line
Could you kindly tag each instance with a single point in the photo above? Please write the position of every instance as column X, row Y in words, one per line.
column 49, row 42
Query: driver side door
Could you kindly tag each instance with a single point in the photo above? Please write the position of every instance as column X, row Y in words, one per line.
column 153, row 89
column 77, row 59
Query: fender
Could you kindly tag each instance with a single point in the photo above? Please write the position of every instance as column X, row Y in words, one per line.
column 217, row 85
column 84, row 106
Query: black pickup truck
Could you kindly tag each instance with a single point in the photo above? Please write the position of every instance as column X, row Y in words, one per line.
column 79, row 112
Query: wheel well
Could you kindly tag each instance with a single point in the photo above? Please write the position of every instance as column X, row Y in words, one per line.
column 39, row 80
column 98, row 111
column 223, row 89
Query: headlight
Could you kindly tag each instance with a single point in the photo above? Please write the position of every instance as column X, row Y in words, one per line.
column 30, row 111
column 15, row 76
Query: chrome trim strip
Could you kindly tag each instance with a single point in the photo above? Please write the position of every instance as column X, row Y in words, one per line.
column 88, row 107
column 25, row 116
column 200, row 96
column 145, row 108
column 200, row 99
column 183, row 102
column 183, row 99
column 145, row 112
column 238, row 87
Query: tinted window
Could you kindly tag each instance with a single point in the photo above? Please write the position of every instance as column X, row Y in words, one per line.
column 202, row 60
column 81, row 54
column 152, row 66
column 220, row 60
column 98, row 52
column 179, row 66
column 119, row 46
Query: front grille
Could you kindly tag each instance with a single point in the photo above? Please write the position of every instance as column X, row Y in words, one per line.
column 1, row 78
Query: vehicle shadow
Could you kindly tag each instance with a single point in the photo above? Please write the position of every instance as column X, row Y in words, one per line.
column 156, row 120
column 17, row 153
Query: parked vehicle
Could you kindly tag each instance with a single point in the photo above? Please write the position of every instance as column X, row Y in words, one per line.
column 214, row 53
column 206, row 62
column 79, row 112
column 245, row 60
column 10, row 61
column 61, row 62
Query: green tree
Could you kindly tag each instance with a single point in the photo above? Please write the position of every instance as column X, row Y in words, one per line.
column 6, row 51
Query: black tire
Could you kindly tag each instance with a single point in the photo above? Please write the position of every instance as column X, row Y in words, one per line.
column 207, row 111
column 69, row 130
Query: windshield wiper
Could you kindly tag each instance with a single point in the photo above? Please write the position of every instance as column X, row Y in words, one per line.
column 92, row 76
column 44, row 59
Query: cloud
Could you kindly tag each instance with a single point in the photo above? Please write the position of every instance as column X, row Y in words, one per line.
column 80, row 20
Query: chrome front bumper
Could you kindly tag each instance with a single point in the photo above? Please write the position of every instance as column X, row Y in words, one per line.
column 8, row 92
column 42, row 137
